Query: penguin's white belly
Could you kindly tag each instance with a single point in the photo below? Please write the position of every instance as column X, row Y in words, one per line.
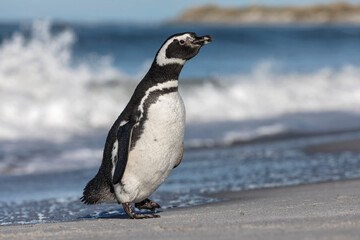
column 156, row 151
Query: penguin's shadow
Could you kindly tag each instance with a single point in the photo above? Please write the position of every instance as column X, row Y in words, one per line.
column 113, row 214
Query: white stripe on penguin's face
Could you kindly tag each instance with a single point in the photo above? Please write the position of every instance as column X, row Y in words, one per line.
column 161, row 58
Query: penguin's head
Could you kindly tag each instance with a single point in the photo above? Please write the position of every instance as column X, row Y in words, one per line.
column 179, row 48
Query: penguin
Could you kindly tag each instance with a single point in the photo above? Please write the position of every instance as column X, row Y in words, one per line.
column 146, row 141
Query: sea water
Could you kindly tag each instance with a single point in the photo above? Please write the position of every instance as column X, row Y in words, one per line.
column 255, row 98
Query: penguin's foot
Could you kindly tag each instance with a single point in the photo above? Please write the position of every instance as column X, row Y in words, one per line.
column 147, row 204
column 130, row 212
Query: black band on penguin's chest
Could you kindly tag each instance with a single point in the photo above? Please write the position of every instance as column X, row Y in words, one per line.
column 151, row 99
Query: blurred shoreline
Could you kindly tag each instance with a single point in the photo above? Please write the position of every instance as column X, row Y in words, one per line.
column 304, row 163
column 312, row 211
column 333, row 13
column 335, row 147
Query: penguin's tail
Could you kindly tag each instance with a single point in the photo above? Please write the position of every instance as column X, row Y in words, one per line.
column 96, row 191
column 85, row 200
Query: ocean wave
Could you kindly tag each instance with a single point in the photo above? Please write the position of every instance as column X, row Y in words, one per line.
column 45, row 95
column 266, row 93
column 42, row 92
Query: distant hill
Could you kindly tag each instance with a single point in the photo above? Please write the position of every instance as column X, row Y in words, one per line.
column 340, row 12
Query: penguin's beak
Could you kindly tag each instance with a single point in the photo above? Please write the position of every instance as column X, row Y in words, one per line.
column 202, row 40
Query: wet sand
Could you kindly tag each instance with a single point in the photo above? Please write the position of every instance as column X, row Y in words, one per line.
column 316, row 211
column 335, row 147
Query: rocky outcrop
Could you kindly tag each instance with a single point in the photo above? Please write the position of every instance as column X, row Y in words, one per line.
column 331, row 13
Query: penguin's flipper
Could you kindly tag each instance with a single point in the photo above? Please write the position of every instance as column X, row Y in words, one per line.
column 124, row 140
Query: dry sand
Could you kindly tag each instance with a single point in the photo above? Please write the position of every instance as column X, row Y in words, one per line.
column 315, row 211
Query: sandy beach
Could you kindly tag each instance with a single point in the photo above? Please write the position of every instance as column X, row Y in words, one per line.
column 315, row 211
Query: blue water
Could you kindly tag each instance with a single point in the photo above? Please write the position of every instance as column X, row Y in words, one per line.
column 53, row 197
column 235, row 49
column 255, row 98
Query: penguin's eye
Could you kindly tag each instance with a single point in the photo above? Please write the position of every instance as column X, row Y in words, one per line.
column 181, row 42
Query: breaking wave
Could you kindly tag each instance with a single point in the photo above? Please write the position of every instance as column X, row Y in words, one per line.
column 265, row 93
column 45, row 95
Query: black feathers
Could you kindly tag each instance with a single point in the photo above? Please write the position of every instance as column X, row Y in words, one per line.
column 97, row 190
column 181, row 51
column 124, row 140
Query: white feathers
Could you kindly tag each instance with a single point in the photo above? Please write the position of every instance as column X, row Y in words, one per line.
column 122, row 123
column 159, row 86
column 114, row 153
column 161, row 58
column 158, row 149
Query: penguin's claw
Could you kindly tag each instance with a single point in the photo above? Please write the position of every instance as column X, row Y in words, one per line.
column 130, row 212
column 147, row 204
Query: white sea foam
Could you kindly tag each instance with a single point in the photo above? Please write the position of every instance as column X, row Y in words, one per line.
column 67, row 160
column 258, row 132
column 265, row 93
column 43, row 94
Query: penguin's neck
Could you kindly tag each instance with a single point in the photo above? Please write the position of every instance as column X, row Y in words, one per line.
column 159, row 74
